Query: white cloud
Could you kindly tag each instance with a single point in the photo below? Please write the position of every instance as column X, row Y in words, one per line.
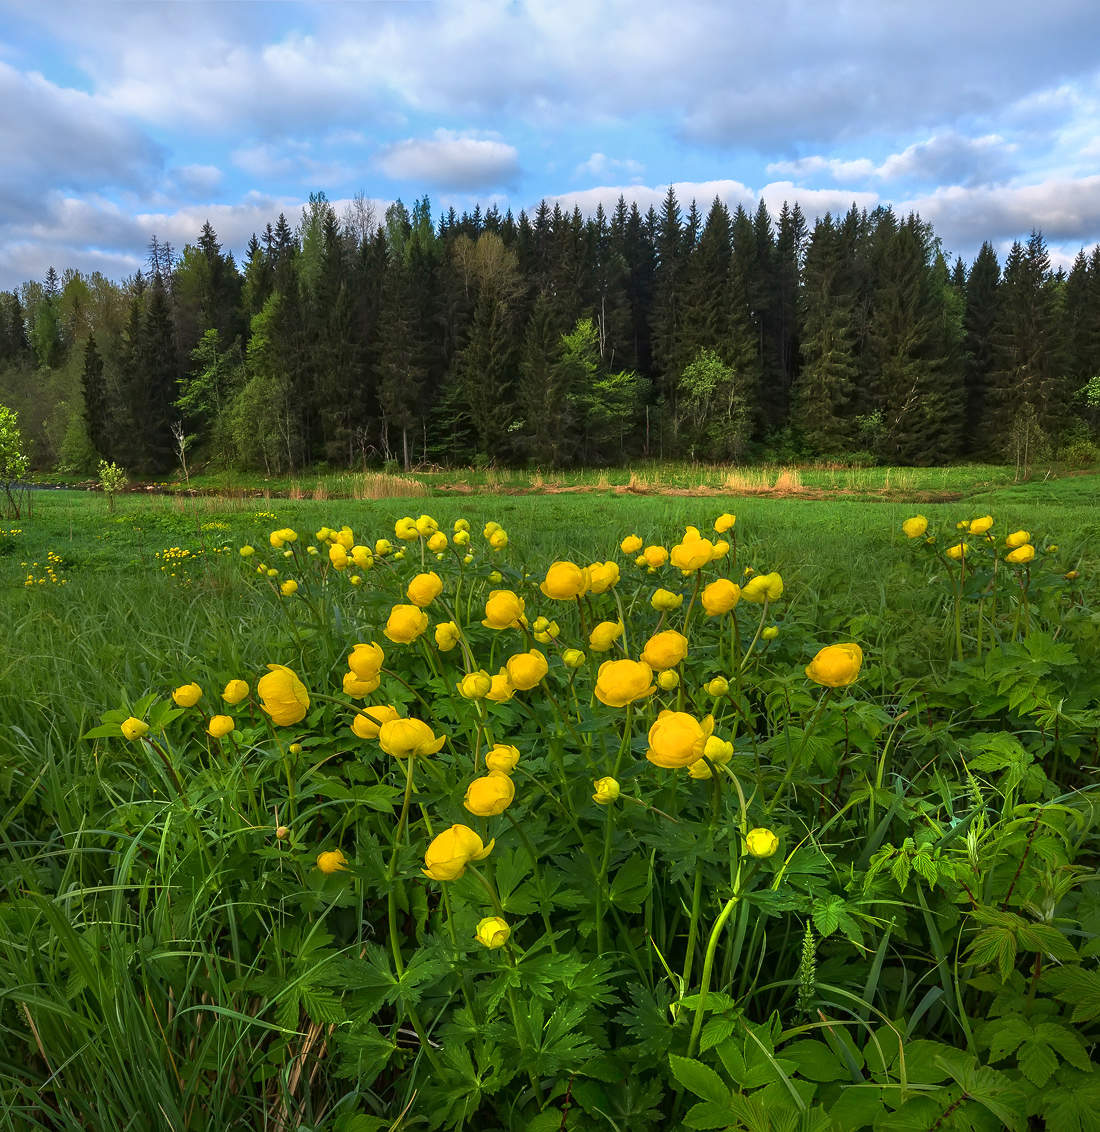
column 450, row 161
column 600, row 165
column 198, row 179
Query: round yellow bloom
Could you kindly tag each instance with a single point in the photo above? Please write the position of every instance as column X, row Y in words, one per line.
column 220, row 725
column 605, row 634
column 366, row 660
column 405, row 529
column 621, row 682
column 452, row 850
column 500, row 688
column 425, row 588
column 719, row 751
column 247, row 551
column 461, row 538
column 668, row 680
column 462, row 526
column 564, row 581
column 134, row 728
column 345, row 537
column 475, row 685
column 502, row 757
column 426, row 526
column 498, row 540
column 602, row 576
column 283, row 696
column 358, row 686
column 631, row 544
column 526, row 669
column 915, row 527
column 446, row 636
column 724, row 523
column 836, row 666
column 655, row 556
column 490, row 795
column 272, row 572
column 572, row 658
column 338, row 556
column 720, row 596
column 770, row 633
column 1072, row 575
column 1021, row 555
column 700, row 769
column 761, row 842
column 666, row 600
column 607, row 790
column 235, row 692
column 763, row 587
column 490, row 528
column 331, row 861
column 678, row 739
column 276, row 539
column 492, row 932
column 382, row 547
column 438, row 542
column 405, row 738
column 958, row 551
column 665, row 650
column 719, row 686
column 405, row 624
column 503, row 610
column 362, row 557
column 289, row 588
column 496, row 577
column 980, row 526
column 693, row 553
column 721, row 549
column 295, row 748
column 368, row 722
column 188, row 695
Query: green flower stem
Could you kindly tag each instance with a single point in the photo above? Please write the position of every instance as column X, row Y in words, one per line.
column 537, row 874
column 622, row 621
column 391, row 871
column 697, row 890
column 752, row 643
column 794, row 762
column 708, row 964
column 424, row 703
column 609, row 828
column 691, row 603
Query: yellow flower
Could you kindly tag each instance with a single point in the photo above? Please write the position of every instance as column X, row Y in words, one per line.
column 665, row 650
column 452, row 850
column 607, row 790
column 490, row 528
column 188, row 695
column 366, row 660
column 958, row 551
column 235, row 692
column 272, row 572
column 980, row 526
column 462, row 525
column 693, row 552
column 502, row 610
column 289, row 588
column 338, row 556
column 962, row 525
column 700, row 769
column 426, row 526
column 836, row 666
column 500, row 688
column 220, row 725
column 526, row 669
column 247, row 551
column 724, row 523
column 461, row 538
column 345, row 538
column 438, row 542
column 405, row 529
column 295, row 748
column 1021, row 555
column 405, row 624
column 1017, row 538
column 502, row 757
column 720, row 597
column 492, row 932
column 382, row 547
column 331, row 861
column 404, row 738
column 655, row 556
column 605, row 634
column 668, row 680
column 1072, row 575
column 564, row 581
column 621, row 682
column 572, row 658
column 665, row 600
column 763, row 587
column 915, row 527
column 425, row 588
column 677, row 739
column 368, row 722
column 719, row 751
column 719, row 686
column 631, row 544
column 721, row 549
column 357, row 686
column 276, row 539
column 770, row 633
column 489, row 795
column 498, row 540
column 362, row 557
column 475, row 685
column 446, row 636
column 602, row 576
column 283, row 696
column 496, row 577
column 134, row 728
column 761, row 842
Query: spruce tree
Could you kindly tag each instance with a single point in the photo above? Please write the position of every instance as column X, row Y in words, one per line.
column 98, row 410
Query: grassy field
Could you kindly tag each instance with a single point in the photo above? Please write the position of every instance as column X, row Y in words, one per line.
column 169, row 959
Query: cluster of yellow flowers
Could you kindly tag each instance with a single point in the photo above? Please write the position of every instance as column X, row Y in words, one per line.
column 50, row 570
column 1017, row 548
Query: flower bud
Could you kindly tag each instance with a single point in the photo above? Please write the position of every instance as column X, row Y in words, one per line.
column 572, row 658
column 719, row 686
column 492, row 932
column 668, row 680
column 331, row 861
column 761, row 842
column 607, row 790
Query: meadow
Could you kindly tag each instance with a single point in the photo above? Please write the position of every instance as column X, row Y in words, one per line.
column 469, row 876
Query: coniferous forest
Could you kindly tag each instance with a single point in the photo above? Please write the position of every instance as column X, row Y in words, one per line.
column 359, row 339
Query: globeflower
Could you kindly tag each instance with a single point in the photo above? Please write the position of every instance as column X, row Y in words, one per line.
column 693, row 552
column 720, row 596
column 500, row 688
column 338, row 556
column 382, row 547
column 655, row 556
column 368, row 722
column 503, row 609
column 357, row 687
column 331, row 861
column 666, row 600
column 235, row 692
column 437, row 543
column 490, row 795
column 668, row 680
column 607, row 790
column 405, row 624
column 405, row 738
column 980, row 526
column 724, row 523
column 526, row 669
column 770, row 633
column 957, row 552
column 405, row 529
column 677, row 739
column 763, row 587
column 247, row 551
column 502, row 757
column 761, row 842
column 565, row 581
column 366, row 660
column 289, row 588
column 1017, row 538
column 426, row 526
column 602, row 576
column 283, row 696
column 1021, row 555
column 836, row 666
column 719, row 751
column 719, row 686
column 498, row 540
column 572, row 658
column 188, row 695
column 425, row 588
column 447, row 634
column 631, row 544
column 492, row 932
column 452, row 850
column 220, row 726
column 605, row 634
column 915, row 527
column 475, row 685
column 621, row 682
column 134, row 728
column 665, row 650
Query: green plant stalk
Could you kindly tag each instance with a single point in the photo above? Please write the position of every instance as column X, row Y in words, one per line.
column 697, row 888
column 601, row 880
column 756, row 637
column 708, row 963
column 794, row 763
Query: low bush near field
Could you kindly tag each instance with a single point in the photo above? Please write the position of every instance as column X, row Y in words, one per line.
column 620, row 844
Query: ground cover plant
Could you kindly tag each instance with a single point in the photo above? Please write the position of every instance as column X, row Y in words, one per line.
column 596, row 819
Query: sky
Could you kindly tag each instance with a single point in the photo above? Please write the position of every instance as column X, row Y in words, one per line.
column 123, row 120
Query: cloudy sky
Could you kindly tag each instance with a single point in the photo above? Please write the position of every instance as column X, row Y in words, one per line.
column 126, row 119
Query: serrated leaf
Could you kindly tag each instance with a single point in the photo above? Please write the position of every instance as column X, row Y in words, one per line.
column 699, row 1079
column 710, row 1114
column 1037, row 1062
column 826, row 914
column 631, row 884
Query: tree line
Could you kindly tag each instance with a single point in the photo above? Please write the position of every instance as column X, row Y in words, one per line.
column 557, row 340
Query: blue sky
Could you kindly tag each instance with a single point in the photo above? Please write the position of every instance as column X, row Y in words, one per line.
column 126, row 119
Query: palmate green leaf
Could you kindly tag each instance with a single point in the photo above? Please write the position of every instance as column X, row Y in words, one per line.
column 699, row 1079
column 1037, row 1061
column 993, row 1090
column 826, row 914
column 631, row 884
column 647, row 1019
column 1071, row 1102
column 1077, row 986
column 995, row 945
